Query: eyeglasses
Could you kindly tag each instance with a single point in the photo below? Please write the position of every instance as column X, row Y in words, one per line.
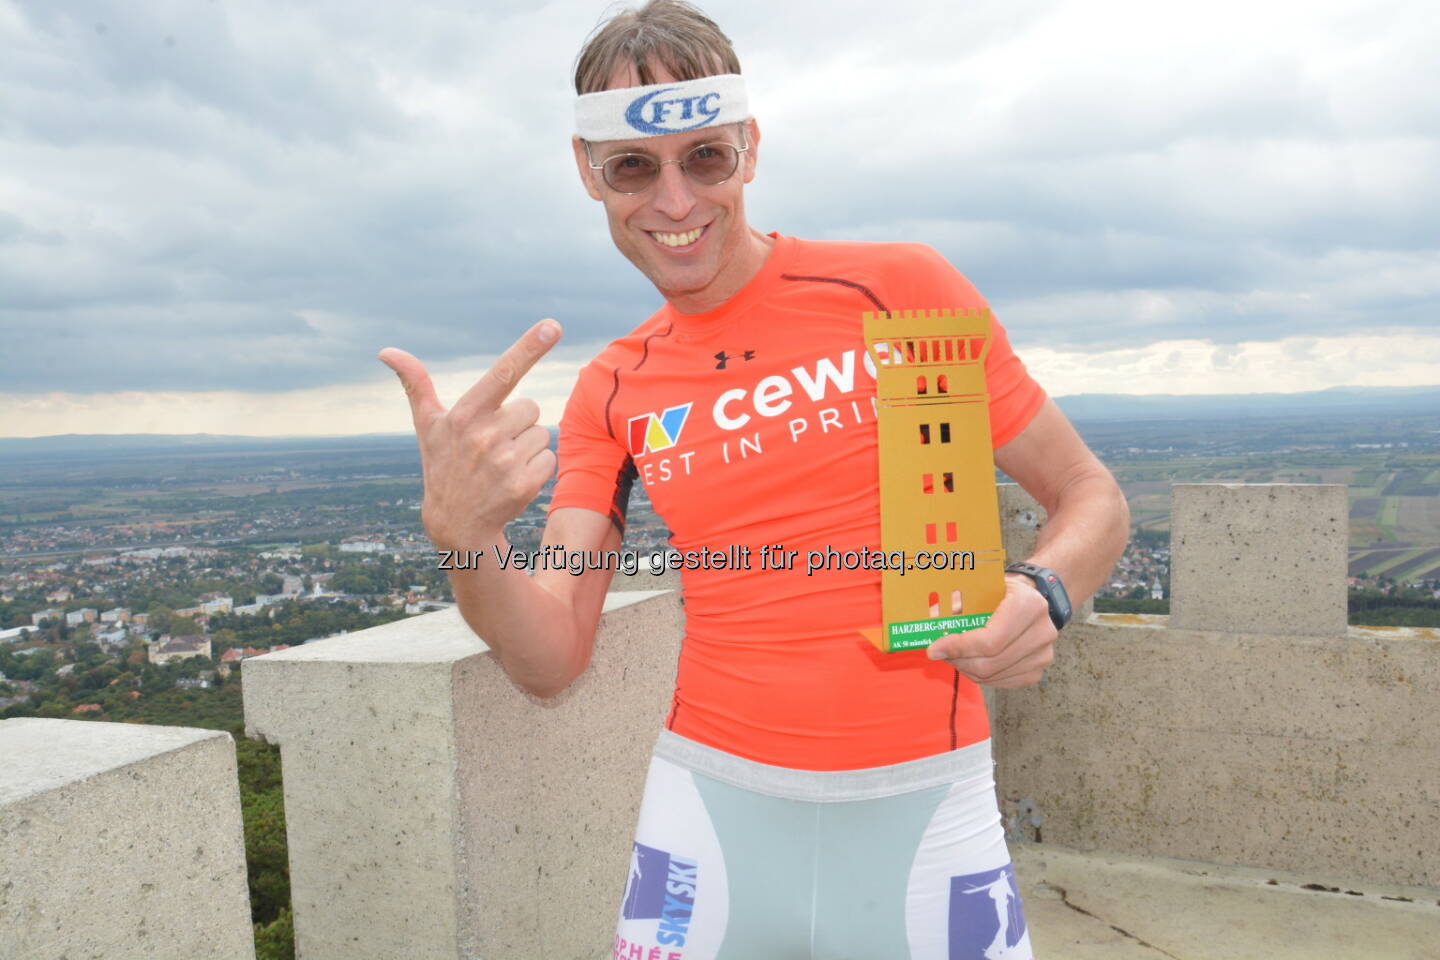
column 707, row 164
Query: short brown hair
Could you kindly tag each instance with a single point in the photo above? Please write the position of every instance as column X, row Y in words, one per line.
column 671, row 33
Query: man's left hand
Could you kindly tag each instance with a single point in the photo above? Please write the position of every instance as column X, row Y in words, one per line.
column 1014, row 647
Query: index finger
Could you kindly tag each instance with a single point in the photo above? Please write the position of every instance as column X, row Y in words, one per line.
column 495, row 385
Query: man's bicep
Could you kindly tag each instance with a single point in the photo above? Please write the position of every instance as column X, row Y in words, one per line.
column 1047, row 456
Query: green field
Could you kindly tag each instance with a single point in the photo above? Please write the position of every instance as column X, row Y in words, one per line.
column 1389, row 514
column 1395, row 535
column 1397, row 562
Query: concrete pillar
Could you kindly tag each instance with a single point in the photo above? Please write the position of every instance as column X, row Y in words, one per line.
column 1259, row 558
column 120, row 840
column 436, row 810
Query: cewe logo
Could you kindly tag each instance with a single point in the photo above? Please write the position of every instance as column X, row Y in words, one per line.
column 650, row 432
column 671, row 116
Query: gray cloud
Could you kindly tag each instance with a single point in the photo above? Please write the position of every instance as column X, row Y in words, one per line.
column 258, row 196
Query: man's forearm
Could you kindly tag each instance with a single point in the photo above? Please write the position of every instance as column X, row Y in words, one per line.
column 1085, row 533
column 533, row 632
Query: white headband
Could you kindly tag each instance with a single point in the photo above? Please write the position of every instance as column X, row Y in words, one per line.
column 661, row 108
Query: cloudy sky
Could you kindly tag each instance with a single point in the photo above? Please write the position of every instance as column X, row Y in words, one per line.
column 213, row 214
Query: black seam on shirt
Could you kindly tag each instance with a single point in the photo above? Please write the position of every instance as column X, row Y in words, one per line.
column 954, row 704
column 614, row 389
column 620, row 503
column 849, row 283
column 646, row 354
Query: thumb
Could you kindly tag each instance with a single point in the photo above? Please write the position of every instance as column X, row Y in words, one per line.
column 419, row 389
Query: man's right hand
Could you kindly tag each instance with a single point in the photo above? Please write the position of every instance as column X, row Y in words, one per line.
column 484, row 459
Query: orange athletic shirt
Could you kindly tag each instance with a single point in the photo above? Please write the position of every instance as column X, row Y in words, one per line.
column 754, row 424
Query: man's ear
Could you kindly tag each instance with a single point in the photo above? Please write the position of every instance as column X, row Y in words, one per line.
column 752, row 136
column 587, row 176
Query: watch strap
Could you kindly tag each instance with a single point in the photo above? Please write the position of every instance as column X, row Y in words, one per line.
column 1048, row 582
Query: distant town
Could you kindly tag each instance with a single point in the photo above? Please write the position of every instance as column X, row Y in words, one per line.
column 132, row 572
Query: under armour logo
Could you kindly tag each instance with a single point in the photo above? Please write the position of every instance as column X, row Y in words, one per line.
column 724, row 358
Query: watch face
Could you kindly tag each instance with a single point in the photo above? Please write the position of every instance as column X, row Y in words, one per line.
column 1060, row 604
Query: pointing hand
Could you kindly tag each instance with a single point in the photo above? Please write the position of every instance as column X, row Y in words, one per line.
column 484, row 459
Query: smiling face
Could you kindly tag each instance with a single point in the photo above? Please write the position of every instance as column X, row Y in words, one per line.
column 656, row 229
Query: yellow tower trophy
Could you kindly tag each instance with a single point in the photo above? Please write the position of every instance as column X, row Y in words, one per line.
column 938, row 503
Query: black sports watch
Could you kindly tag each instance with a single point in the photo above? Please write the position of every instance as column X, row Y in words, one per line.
column 1048, row 583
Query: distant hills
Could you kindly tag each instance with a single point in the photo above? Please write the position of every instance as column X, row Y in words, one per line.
column 161, row 443
column 1334, row 402
column 70, row 446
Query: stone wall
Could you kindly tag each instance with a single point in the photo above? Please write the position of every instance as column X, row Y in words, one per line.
column 1265, row 732
column 437, row 810
column 118, row 841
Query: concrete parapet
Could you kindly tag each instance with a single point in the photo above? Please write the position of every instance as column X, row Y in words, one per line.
column 1295, row 753
column 120, row 841
column 436, row 810
column 1306, row 746
column 1255, row 748
column 1259, row 558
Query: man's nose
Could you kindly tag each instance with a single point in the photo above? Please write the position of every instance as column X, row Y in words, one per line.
column 674, row 193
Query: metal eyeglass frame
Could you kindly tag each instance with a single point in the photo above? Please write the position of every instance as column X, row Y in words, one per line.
column 659, row 164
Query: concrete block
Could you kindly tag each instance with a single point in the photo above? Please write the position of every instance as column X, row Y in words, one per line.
column 1259, row 558
column 119, row 840
column 437, row 810
column 1296, row 753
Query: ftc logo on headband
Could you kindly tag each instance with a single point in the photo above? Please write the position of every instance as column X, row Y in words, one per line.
column 673, row 115
column 660, row 108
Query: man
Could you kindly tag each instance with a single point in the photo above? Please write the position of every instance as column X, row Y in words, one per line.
column 809, row 796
